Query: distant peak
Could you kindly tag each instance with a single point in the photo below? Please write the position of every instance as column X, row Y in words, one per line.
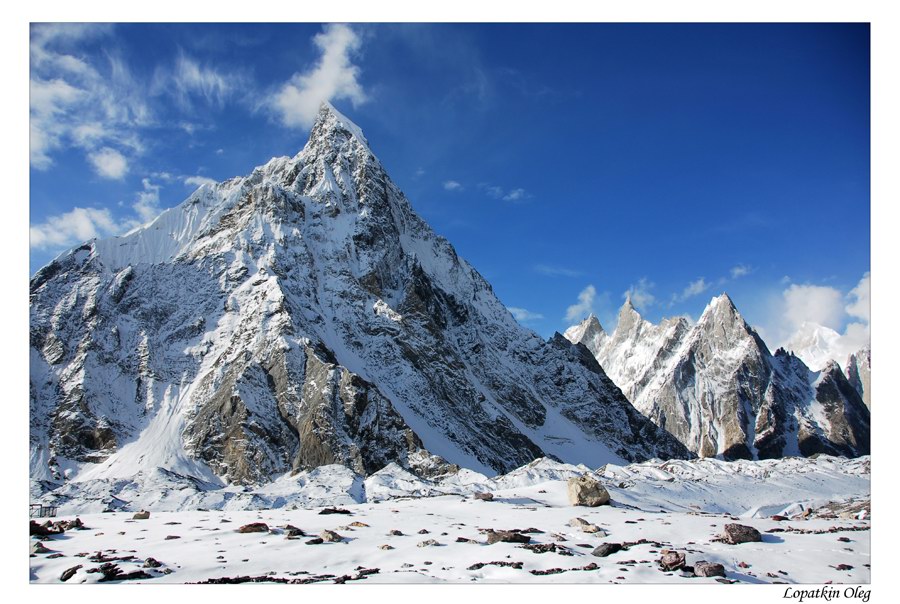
column 628, row 307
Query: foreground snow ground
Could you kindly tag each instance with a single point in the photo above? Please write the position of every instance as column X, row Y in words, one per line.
column 679, row 505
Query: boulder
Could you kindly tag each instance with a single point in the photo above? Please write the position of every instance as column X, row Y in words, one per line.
column 484, row 496
column 69, row 573
column 708, row 569
column 39, row 548
column 587, row 491
column 671, row 560
column 142, row 515
column 740, row 533
column 587, row 527
column 428, row 543
column 506, row 537
column 254, row 527
column 330, row 536
column 605, row 549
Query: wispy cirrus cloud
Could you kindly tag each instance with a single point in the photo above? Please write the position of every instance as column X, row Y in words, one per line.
column 556, row 271
column 452, row 185
column 694, row 288
column 523, row 315
column 583, row 307
column 514, row 194
column 640, row 294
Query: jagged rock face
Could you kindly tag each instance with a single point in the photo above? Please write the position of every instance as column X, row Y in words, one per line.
column 859, row 373
column 718, row 389
column 303, row 315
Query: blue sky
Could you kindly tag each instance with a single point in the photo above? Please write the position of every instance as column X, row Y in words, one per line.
column 569, row 164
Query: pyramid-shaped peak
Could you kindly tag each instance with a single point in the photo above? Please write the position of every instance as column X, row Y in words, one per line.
column 330, row 120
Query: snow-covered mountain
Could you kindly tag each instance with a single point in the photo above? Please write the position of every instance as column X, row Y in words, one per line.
column 303, row 315
column 719, row 390
column 859, row 372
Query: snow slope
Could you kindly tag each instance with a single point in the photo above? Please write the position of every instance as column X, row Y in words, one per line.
column 682, row 505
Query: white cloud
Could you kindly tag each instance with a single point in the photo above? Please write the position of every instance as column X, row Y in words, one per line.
column 515, row 195
column 81, row 104
column 813, row 304
column 79, row 224
column 556, row 271
column 496, row 192
column 523, row 315
column 583, row 307
column 452, row 185
column 694, row 288
column 808, row 320
column 198, row 181
column 192, row 79
column 640, row 294
column 109, row 163
column 860, row 305
column 333, row 77
column 147, row 204
column 739, row 271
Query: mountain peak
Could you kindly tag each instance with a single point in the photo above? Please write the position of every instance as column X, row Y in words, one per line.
column 329, row 120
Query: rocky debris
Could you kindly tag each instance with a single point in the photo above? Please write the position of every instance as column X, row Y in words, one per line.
column 779, row 518
column 671, row 560
column 358, row 524
column 395, row 533
column 385, row 547
column 556, row 571
column 832, row 529
column 170, row 537
column 424, row 531
column 361, row 574
column 465, row 540
column 142, row 515
column 505, row 537
column 47, row 529
column 326, row 511
column 39, row 548
column 99, row 557
column 543, row 548
column 428, row 543
column 740, row 533
column 111, row 572
column 480, row 565
column 605, row 549
column 587, row 491
column 254, row 527
column 587, row 527
column 484, row 496
column 69, row 573
column 56, row 555
column 152, row 563
column 294, row 533
column 315, row 541
column 702, row 568
column 330, row 536
column 842, row 567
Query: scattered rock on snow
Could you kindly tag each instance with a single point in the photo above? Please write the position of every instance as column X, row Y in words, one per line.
column 69, row 573
column 587, row 491
column 506, row 537
column 330, row 536
column 142, row 515
column 740, row 533
column 587, row 527
column 254, row 527
column 605, row 549
column 671, row 560
column 484, row 496
column 326, row 511
column 703, row 568
column 429, row 543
